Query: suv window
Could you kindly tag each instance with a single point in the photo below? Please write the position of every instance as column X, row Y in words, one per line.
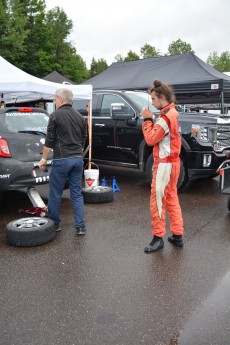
column 141, row 99
column 81, row 105
column 108, row 99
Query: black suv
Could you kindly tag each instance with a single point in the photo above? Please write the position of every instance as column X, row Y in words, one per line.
column 22, row 136
column 117, row 137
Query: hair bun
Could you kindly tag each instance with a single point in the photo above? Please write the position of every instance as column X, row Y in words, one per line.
column 157, row 83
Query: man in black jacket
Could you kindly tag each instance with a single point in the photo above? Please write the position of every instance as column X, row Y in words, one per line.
column 66, row 135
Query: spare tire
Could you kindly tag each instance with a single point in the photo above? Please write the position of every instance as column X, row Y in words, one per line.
column 30, row 231
column 98, row 194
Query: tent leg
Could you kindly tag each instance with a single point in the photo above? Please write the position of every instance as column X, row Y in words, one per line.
column 222, row 102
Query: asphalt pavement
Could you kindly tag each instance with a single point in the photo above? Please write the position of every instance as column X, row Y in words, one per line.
column 102, row 289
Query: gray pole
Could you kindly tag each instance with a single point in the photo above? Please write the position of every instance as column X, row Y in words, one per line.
column 222, row 102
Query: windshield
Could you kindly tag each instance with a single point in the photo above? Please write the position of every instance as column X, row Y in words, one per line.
column 142, row 99
column 24, row 122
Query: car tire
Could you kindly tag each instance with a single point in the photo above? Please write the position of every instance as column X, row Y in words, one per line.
column 97, row 195
column 149, row 168
column 30, row 231
column 228, row 203
column 183, row 177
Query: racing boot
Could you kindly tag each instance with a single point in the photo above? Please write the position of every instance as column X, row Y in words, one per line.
column 176, row 240
column 156, row 244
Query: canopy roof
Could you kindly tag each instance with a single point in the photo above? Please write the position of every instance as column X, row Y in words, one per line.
column 17, row 86
column 193, row 80
column 56, row 77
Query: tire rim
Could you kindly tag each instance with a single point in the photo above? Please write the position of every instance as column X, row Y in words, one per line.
column 97, row 188
column 33, row 222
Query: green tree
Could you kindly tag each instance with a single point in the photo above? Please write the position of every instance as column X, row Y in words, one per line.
column 179, row 47
column 72, row 65
column 148, row 51
column 118, row 58
column 97, row 66
column 220, row 63
column 131, row 56
column 59, row 28
column 35, row 41
column 93, row 67
column 13, row 32
column 61, row 54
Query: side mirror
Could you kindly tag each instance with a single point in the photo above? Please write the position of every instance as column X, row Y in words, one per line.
column 120, row 112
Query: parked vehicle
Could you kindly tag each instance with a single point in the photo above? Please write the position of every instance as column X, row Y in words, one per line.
column 117, row 137
column 22, row 136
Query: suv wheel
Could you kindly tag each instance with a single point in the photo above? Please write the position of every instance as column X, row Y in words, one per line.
column 183, row 177
column 182, row 180
column 30, row 231
column 149, row 168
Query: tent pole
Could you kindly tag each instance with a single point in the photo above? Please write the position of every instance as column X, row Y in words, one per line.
column 222, row 102
column 90, row 132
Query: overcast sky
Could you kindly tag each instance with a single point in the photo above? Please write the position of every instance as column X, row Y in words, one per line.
column 105, row 28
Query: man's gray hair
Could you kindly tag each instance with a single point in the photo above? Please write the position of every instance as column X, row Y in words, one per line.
column 66, row 94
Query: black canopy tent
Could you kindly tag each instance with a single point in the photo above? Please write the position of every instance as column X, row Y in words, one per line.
column 56, row 77
column 193, row 80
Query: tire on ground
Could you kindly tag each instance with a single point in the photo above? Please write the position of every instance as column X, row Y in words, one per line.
column 30, row 231
column 97, row 195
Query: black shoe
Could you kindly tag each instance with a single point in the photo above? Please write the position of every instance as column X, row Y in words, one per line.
column 176, row 240
column 80, row 231
column 156, row 244
column 57, row 227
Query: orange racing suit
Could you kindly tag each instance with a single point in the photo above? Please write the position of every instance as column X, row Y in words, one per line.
column 165, row 137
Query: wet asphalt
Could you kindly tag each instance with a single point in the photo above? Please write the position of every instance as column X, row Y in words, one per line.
column 102, row 289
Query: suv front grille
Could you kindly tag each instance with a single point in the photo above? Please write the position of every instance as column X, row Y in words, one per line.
column 223, row 137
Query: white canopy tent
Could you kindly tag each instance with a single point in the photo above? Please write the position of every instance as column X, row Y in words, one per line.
column 17, row 86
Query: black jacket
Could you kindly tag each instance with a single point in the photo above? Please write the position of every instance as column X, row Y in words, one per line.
column 66, row 132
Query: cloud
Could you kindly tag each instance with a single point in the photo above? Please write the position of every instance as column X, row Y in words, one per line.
column 103, row 28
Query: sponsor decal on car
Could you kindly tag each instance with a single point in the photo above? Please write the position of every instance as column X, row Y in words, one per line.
column 42, row 179
column 4, row 177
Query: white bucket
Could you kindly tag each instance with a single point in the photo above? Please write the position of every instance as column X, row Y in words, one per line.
column 91, row 177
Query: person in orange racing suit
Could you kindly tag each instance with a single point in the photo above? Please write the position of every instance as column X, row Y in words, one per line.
column 165, row 137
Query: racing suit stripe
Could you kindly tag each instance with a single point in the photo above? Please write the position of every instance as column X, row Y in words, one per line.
column 162, row 179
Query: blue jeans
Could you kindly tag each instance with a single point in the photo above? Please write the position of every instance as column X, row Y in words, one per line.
column 63, row 169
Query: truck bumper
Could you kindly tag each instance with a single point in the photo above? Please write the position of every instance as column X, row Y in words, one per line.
column 204, row 164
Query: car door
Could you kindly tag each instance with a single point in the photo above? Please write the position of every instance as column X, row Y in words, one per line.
column 103, row 141
column 114, row 140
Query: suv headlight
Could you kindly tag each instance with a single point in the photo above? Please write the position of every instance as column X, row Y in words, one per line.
column 200, row 133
